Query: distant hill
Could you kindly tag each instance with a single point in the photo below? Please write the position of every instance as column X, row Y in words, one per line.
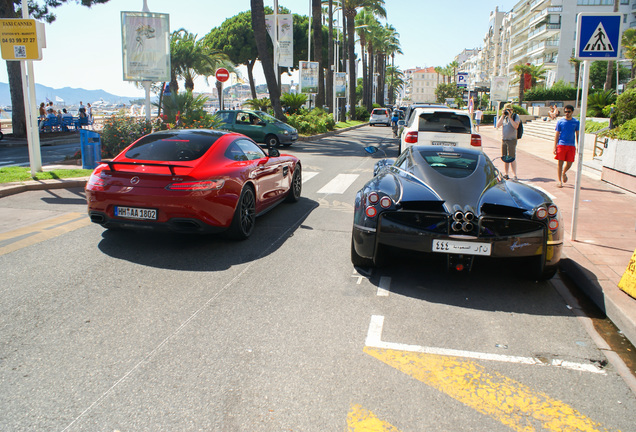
column 71, row 96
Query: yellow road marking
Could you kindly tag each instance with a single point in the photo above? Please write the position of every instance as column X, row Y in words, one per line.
column 510, row 402
column 42, row 231
column 362, row 420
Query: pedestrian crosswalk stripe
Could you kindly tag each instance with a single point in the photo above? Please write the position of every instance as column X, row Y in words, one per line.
column 339, row 184
column 308, row 175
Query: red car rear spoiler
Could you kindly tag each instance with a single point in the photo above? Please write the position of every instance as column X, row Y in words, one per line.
column 171, row 167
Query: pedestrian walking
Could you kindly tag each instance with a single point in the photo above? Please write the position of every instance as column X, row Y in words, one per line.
column 565, row 139
column 509, row 122
column 478, row 115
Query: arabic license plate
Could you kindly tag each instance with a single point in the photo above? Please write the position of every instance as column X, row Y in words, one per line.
column 444, row 143
column 461, row 247
column 136, row 213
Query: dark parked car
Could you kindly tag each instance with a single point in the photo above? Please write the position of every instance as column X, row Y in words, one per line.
column 259, row 126
column 453, row 201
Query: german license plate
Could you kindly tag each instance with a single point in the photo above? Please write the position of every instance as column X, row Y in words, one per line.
column 461, row 247
column 136, row 213
column 444, row 143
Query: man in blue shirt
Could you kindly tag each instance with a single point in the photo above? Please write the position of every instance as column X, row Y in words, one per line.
column 565, row 139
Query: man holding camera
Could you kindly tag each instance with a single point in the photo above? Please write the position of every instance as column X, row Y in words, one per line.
column 509, row 122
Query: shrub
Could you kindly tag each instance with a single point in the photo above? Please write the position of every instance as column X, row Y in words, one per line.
column 360, row 113
column 293, row 102
column 311, row 123
column 625, row 107
column 626, row 131
column 519, row 110
column 559, row 92
column 599, row 100
column 592, row 126
column 184, row 110
column 259, row 104
column 120, row 131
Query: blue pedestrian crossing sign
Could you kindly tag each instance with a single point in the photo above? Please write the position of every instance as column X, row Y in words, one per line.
column 598, row 36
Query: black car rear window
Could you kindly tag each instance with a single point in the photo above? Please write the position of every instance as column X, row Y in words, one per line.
column 451, row 164
column 448, row 122
column 164, row 147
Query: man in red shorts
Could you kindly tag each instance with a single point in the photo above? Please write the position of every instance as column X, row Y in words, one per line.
column 565, row 139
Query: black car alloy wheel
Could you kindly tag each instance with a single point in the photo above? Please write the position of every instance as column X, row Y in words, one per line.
column 244, row 215
column 296, row 186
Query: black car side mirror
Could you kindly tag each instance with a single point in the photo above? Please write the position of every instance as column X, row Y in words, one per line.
column 273, row 152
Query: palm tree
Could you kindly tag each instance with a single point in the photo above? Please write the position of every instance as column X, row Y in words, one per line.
column 364, row 20
column 628, row 43
column 610, row 64
column 453, row 67
column 577, row 66
column 260, row 34
column 316, row 12
column 393, row 47
column 350, row 9
column 396, row 82
column 191, row 57
column 522, row 70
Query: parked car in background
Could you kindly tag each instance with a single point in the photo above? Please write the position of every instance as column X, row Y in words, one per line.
column 454, row 203
column 439, row 126
column 192, row 181
column 380, row 116
column 259, row 126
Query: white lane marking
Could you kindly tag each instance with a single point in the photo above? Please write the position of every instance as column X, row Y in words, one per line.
column 308, row 175
column 384, row 287
column 358, row 276
column 374, row 340
column 339, row 184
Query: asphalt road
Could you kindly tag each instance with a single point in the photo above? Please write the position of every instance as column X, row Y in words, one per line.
column 104, row 331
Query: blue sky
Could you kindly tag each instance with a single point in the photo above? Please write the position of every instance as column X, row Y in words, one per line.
column 84, row 45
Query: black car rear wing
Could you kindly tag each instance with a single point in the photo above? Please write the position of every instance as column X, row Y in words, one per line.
column 171, row 167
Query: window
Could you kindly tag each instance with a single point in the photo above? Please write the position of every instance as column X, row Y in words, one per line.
column 448, row 122
column 173, row 146
column 249, row 149
column 451, row 164
column 595, row 2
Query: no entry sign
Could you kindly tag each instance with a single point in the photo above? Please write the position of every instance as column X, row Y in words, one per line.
column 222, row 74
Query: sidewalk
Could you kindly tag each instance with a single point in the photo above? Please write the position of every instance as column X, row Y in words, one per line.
column 606, row 229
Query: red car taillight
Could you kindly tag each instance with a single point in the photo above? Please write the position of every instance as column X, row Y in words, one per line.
column 96, row 182
column 475, row 140
column 411, row 137
column 196, row 185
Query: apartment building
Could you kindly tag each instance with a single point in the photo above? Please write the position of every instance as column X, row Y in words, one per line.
column 422, row 83
column 539, row 32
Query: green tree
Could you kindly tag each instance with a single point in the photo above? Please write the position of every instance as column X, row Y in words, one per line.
column 396, row 81
column 598, row 73
column 609, row 76
column 316, row 12
column 259, row 104
column 37, row 10
column 293, row 101
column 350, row 9
column 628, row 43
column 191, row 57
column 599, row 100
column 444, row 91
column 235, row 38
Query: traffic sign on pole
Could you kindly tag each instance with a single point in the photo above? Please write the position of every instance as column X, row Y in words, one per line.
column 462, row 79
column 222, row 74
column 598, row 36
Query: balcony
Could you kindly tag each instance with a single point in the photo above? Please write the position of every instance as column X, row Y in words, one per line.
column 538, row 18
column 544, row 30
column 538, row 4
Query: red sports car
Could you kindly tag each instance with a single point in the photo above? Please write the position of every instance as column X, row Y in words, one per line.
column 192, row 181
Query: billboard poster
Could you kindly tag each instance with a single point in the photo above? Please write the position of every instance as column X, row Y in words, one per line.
column 145, row 46
column 285, row 37
column 499, row 89
column 340, row 83
column 308, row 77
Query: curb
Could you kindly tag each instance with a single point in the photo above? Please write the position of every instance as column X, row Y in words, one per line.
column 15, row 188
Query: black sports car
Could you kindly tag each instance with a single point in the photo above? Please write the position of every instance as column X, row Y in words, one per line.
column 455, row 202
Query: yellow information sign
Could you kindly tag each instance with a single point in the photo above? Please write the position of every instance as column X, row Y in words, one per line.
column 628, row 281
column 19, row 39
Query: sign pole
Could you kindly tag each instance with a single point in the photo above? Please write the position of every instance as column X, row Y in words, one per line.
column 28, row 91
column 579, row 163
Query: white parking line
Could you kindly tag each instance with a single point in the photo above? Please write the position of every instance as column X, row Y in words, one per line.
column 383, row 287
column 374, row 340
column 339, row 184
